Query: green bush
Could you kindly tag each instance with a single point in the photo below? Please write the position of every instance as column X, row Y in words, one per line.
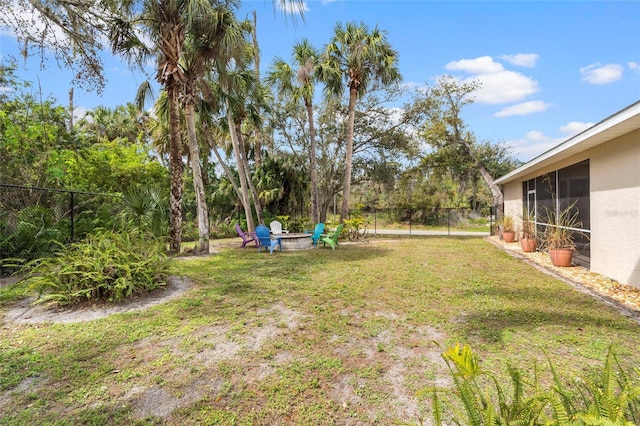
column 104, row 266
column 611, row 396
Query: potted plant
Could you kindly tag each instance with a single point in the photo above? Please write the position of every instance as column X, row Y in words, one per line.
column 528, row 233
column 559, row 235
column 508, row 229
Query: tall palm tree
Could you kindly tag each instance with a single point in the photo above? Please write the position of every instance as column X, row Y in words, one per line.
column 219, row 35
column 165, row 25
column 356, row 58
column 228, row 96
column 300, row 84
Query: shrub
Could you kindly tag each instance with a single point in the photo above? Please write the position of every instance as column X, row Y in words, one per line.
column 610, row 396
column 104, row 266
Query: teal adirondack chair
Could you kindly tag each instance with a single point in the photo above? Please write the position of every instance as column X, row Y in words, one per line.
column 332, row 238
column 317, row 233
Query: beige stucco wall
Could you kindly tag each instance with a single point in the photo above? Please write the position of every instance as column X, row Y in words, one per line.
column 614, row 169
column 513, row 201
column 615, row 209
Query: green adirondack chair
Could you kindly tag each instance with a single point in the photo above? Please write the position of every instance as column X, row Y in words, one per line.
column 332, row 238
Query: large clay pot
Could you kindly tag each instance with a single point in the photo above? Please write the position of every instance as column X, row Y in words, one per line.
column 508, row 237
column 528, row 244
column 561, row 256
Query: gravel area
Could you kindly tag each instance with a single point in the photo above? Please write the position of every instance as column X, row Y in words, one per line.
column 623, row 297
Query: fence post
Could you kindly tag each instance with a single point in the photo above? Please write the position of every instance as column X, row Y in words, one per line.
column 491, row 213
column 375, row 221
column 71, row 218
column 449, row 221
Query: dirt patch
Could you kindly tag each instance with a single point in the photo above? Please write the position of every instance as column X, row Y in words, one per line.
column 5, row 281
column 25, row 312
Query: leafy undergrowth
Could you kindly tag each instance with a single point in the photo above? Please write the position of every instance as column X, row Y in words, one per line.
column 106, row 266
column 346, row 336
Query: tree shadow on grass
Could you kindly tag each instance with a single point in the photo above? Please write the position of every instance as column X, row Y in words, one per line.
column 528, row 309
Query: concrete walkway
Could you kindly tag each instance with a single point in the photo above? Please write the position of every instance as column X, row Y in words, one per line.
column 422, row 232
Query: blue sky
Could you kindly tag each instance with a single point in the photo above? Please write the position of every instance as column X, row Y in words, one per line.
column 549, row 69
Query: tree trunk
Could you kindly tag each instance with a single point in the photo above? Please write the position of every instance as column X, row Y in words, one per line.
column 175, row 161
column 247, row 170
column 257, row 148
column 313, row 163
column 241, row 172
column 496, row 193
column 225, row 167
column 71, row 109
column 346, row 190
column 198, row 183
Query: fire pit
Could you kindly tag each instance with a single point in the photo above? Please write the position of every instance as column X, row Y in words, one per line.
column 296, row 241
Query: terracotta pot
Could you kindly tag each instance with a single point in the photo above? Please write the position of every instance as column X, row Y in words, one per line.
column 561, row 256
column 508, row 237
column 528, row 244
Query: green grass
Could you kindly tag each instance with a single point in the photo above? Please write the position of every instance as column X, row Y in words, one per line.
column 317, row 337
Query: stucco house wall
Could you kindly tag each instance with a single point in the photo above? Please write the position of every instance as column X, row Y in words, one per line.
column 615, row 209
column 614, row 184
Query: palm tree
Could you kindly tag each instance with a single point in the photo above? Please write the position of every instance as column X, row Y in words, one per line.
column 219, row 35
column 227, row 96
column 284, row 78
column 165, row 24
column 356, row 58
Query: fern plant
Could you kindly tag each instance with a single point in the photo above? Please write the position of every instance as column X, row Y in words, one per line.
column 471, row 404
column 609, row 398
column 105, row 266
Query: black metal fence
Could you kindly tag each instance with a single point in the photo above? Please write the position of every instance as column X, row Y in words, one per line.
column 35, row 221
column 447, row 220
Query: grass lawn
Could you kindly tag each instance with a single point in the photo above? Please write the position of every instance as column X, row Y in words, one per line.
column 313, row 337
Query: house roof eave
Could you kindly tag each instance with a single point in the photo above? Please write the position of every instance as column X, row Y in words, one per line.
column 621, row 123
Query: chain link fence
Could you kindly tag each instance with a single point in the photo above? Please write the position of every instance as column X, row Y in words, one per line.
column 35, row 222
column 438, row 220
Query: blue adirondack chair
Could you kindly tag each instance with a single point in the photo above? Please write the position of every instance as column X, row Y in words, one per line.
column 332, row 238
column 317, row 233
column 266, row 240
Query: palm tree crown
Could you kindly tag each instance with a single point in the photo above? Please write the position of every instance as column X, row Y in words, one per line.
column 357, row 58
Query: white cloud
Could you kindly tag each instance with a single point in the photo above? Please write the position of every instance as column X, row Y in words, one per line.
column 498, row 85
column 532, row 145
column 524, row 108
column 574, row 127
column 527, row 60
column 504, row 87
column 601, row 74
column 634, row 66
column 29, row 20
column 481, row 65
column 293, row 7
column 535, row 142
